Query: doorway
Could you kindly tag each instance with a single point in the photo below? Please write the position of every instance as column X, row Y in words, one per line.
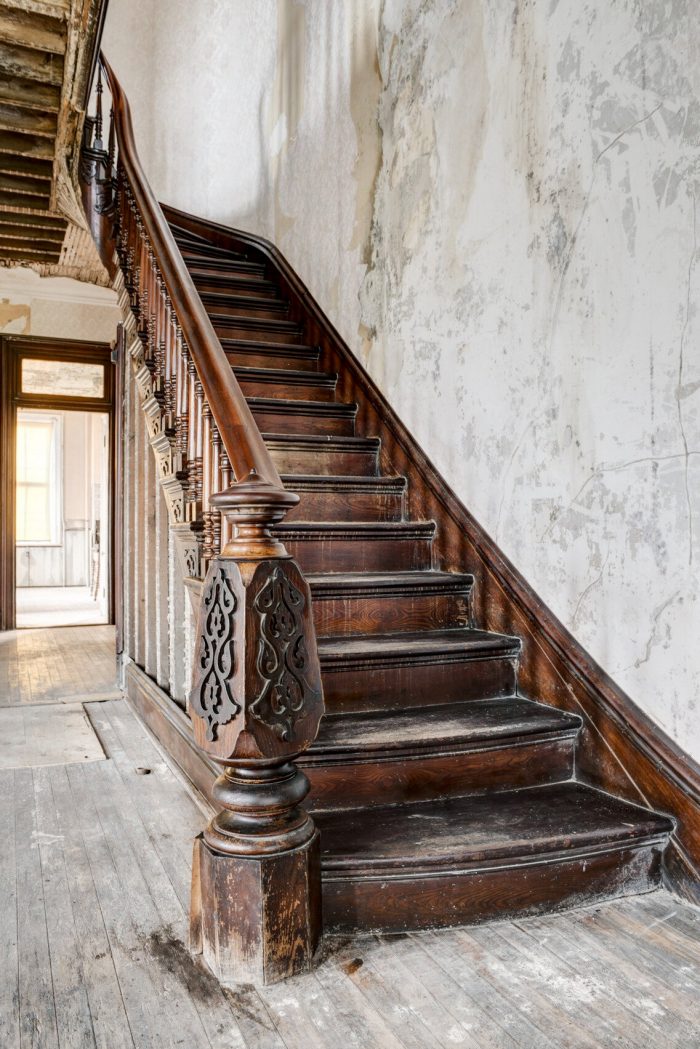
column 62, row 518
column 57, row 483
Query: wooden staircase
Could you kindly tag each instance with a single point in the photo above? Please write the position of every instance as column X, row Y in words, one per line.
column 442, row 793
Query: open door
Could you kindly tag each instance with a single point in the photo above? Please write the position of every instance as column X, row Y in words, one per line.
column 57, row 469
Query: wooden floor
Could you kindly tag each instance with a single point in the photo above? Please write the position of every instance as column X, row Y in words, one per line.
column 60, row 665
column 94, row 883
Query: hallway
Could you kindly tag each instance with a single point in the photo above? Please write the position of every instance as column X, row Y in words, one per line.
column 94, row 875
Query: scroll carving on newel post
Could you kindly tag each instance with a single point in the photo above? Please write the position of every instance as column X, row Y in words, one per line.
column 256, row 704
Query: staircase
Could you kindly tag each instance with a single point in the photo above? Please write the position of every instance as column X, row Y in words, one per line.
column 442, row 793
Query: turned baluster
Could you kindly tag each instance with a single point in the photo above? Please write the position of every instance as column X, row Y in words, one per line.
column 191, row 439
column 169, row 350
column 207, row 549
column 225, row 526
column 214, row 514
column 198, row 443
column 97, row 143
column 182, row 377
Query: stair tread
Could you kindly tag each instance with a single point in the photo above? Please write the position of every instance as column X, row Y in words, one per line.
column 382, row 529
column 450, row 832
column 389, row 581
column 225, row 297
column 462, row 642
column 286, row 375
column 353, row 481
column 291, row 404
column 198, row 265
column 454, row 723
column 233, row 321
column 312, row 439
column 276, row 348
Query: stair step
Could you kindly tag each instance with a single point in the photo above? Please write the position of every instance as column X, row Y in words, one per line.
column 442, row 751
column 286, row 383
column 245, row 283
column 279, row 355
column 330, row 546
column 265, row 329
column 205, row 249
column 498, row 855
column 215, row 271
column 181, row 232
column 234, row 307
column 304, row 417
column 324, row 455
column 346, row 498
column 235, row 285
column 416, row 669
column 389, row 602
column 204, row 258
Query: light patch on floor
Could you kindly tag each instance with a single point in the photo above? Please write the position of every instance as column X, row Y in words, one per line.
column 34, row 736
column 47, row 606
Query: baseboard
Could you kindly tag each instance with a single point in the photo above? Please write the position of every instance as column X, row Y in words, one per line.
column 171, row 727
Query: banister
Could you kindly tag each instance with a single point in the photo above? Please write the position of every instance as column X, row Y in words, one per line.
column 256, row 699
column 247, row 453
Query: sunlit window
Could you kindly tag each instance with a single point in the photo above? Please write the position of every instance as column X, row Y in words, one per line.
column 38, row 489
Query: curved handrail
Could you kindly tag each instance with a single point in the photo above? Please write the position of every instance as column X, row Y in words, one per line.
column 247, row 453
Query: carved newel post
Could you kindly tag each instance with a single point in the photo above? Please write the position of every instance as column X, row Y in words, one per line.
column 256, row 703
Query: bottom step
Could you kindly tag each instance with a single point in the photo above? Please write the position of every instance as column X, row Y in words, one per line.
column 472, row 859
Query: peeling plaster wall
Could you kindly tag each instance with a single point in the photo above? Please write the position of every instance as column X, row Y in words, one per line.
column 56, row 307
column 497, row 206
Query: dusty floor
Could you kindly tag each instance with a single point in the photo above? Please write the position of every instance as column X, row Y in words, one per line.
column 94, row 883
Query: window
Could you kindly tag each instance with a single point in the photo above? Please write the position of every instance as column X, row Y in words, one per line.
column 38, row 476
column 62, row 378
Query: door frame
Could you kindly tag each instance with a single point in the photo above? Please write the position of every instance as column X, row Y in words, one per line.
column 13, row 349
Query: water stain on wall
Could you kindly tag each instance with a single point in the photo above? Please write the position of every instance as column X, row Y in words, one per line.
column 15, row 319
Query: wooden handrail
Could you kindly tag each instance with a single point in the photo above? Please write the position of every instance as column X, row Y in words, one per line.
column 247, row 453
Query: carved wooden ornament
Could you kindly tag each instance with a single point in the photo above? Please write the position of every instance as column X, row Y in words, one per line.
column 257, row 681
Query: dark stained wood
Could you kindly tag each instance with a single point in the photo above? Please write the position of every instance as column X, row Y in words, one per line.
column 620, row 749
column 485, row 856
column 390, row 602
column 443, row 795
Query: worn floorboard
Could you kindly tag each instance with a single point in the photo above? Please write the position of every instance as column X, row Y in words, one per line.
column 94, row 885
column 94, row 877
column 61, row 665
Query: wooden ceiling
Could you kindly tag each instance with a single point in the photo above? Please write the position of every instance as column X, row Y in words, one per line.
column 46, row 54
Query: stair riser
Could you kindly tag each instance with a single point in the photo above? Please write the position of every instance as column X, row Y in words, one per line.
column 371, row 782
column 214, row 271
column 324, row 462
column 389, row 613
column 377, row 687
column 245, row 284
column 259, row 330
column 296, row 391
column 472, row 896
column 193, row 246
column 254, row 308
column 346, row 506
column 258, row 358
column 270, row 421
column 364, row 555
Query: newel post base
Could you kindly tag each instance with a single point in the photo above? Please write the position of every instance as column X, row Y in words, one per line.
column 259, row 861
column 256, row 704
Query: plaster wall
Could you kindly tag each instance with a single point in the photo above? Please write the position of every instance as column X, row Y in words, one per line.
column 497, row 206
column 56, row 307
